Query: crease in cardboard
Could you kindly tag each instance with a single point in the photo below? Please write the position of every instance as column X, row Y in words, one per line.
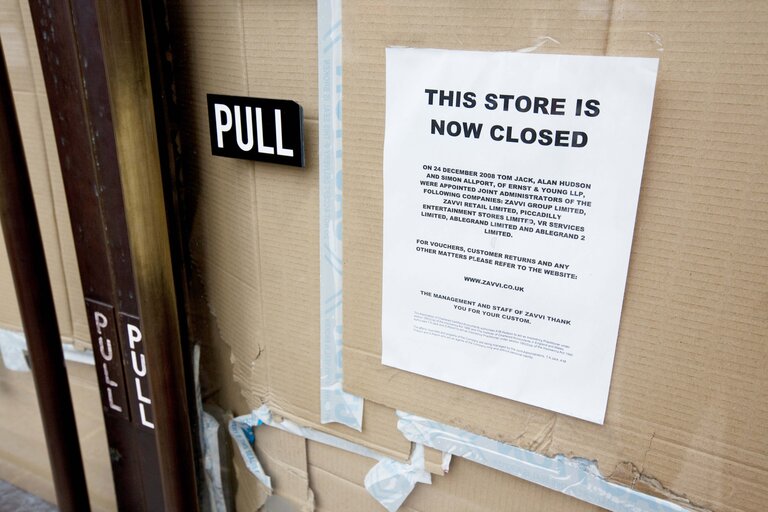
column 576, row 477
column 389, row 481
column 337, row 406
column 13, row 349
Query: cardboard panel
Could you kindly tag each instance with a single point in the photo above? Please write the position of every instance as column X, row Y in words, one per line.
column 689, row 366
column 283, row 32
column 254, row 226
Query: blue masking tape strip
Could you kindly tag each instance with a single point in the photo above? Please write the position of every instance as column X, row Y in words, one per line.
column 575, row 477
column 389, row 481
column 336, row 405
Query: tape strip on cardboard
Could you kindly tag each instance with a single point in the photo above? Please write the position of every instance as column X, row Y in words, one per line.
column 13, row 347
column 389, row 481
column 209, row 441
column 209, row 432
column 575, row 477
column 336, row 405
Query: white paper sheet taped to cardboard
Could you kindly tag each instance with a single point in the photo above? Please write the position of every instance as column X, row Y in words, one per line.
column 336, row 405
column 579, row 478
column 510, row 190
column 389, row 481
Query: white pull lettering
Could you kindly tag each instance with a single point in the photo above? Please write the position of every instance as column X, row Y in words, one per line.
column 143, row 370
column 101, row 321
column 112, row 404
column 109, row 381
column 222, row 125
column 245, row 146
column 269, row 150
column 279, row 134
column 134, row 336
column 106, row 354
column 142, row 398
column 144, row 420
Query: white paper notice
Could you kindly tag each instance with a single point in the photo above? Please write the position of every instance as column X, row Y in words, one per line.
column 510, row 189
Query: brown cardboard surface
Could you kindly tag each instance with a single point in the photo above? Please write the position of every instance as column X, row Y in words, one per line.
column 9, row 309
column 42, row 161
column 689, row 394
column 254, row 227
column 23, row 455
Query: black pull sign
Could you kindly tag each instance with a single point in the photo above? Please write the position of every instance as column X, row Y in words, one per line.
column 257, row 129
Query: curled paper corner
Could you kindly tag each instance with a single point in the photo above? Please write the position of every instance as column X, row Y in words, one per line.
column 389, row 482
column 539, row 42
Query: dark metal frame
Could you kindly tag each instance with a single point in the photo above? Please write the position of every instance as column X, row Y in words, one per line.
column 97, row 74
